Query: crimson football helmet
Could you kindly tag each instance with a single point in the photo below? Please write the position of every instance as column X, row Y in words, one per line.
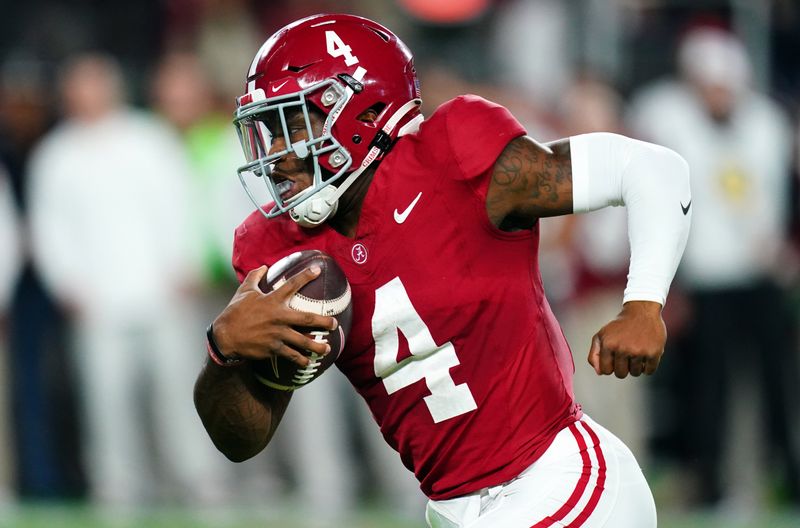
column 341, row 66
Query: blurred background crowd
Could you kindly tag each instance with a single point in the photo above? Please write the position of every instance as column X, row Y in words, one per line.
column 119, row 197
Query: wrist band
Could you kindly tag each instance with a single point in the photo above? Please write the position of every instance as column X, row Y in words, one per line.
column 214, row 352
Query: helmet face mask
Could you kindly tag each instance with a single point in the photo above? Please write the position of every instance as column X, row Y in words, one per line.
column 340, row 66
column 261, row 122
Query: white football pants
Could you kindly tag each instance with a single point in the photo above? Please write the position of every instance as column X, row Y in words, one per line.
column 587, row 478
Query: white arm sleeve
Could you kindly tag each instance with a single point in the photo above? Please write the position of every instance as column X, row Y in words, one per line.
column 653, row 183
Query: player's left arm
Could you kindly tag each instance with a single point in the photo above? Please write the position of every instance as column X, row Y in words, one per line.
column 589, row 172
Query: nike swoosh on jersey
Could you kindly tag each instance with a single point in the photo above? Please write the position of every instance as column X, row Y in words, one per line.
column 401, row 217
column 685, row 208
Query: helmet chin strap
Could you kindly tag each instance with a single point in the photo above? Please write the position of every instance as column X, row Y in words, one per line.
column 325, row 202
column 316, row 209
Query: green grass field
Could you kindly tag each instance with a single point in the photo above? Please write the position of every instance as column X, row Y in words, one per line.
column 82, row 516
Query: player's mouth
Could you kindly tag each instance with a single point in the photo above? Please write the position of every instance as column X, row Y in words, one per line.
column 287, row 187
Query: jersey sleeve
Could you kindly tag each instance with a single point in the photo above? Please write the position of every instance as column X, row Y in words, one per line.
column 251, row 240
column 238, row 259
column 477, row 131
column 259, row 241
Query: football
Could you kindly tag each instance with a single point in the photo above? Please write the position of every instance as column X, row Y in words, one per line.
column 328, row 294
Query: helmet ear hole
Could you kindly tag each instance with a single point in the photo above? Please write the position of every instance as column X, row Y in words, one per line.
column 371, row 114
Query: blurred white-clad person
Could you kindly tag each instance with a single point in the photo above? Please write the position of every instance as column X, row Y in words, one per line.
column 109, row 208
column 186, row 95
column 745, row 368
column 9, row 267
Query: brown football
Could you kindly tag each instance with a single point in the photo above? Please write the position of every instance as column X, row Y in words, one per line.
column 328, row 294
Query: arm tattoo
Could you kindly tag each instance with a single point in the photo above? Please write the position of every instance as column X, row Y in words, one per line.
column 529, row 183
column 240, row 418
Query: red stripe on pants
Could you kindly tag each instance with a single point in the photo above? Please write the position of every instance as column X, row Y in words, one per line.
column 582, row 483
column 601, row 480
column 580, row 487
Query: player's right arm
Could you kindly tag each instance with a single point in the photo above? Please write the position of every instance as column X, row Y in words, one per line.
column 239, row 413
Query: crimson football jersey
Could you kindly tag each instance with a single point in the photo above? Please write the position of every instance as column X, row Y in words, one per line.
column 453, row 344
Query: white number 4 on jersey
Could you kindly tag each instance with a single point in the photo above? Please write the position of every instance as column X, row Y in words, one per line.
column 394, row 313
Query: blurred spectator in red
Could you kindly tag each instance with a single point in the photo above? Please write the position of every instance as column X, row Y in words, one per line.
column 741, row 372
column 452, row 34
column 109, row 203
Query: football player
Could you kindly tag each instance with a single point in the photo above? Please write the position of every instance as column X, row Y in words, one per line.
column 435, row 222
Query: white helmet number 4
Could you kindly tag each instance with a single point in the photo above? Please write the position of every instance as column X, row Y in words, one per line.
column 337, row 48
